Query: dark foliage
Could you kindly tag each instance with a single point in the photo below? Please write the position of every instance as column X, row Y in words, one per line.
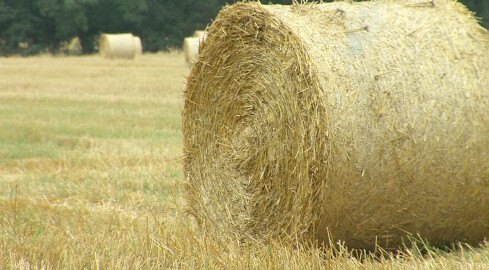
column 32, row 26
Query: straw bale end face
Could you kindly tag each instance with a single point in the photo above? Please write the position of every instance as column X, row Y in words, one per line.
column 307, row 122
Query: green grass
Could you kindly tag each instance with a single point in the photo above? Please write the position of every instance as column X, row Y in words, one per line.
column 91, row 177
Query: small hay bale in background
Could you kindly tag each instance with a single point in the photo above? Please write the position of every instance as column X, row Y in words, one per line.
column 74, row 47
column 200, row 34
column 191, row 46
column 191, row 49
column 365, row 121
column 118, row 46
column 138, row 46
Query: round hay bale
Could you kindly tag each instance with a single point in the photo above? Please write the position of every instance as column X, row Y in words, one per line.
column 200, row 34
column 75, row 47
column 138, row 46
column 360, row 122
column 118, row 46
column 191, row 49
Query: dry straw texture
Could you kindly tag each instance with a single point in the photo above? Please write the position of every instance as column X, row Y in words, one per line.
column 119, row 46
column 359, row 122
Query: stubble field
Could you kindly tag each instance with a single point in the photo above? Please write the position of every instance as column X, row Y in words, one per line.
column 91, row 177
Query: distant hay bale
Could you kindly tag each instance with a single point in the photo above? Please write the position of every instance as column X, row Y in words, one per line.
column 138, row 46
column 364, row 121
column 191, row 49
column 23, row 45
column 199, row 33
column 75, row 47
column 191, row 46
column 118, row 46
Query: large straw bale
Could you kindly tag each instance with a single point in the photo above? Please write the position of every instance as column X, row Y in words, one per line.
column 361, row 122
column 191, row 49
column 118, row 46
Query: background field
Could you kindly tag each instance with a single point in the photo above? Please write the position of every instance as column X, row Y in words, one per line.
column 91, row 176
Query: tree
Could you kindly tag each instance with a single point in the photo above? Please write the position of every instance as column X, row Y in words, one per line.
column 481, row 9
column 65, row 19
column 19, row 25
column 168, row 22
column 112, row 16
column 31, row 26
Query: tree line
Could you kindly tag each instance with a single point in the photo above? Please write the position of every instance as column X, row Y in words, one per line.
column 31, row 26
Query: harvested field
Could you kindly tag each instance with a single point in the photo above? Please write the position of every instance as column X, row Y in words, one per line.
column 91, row 177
